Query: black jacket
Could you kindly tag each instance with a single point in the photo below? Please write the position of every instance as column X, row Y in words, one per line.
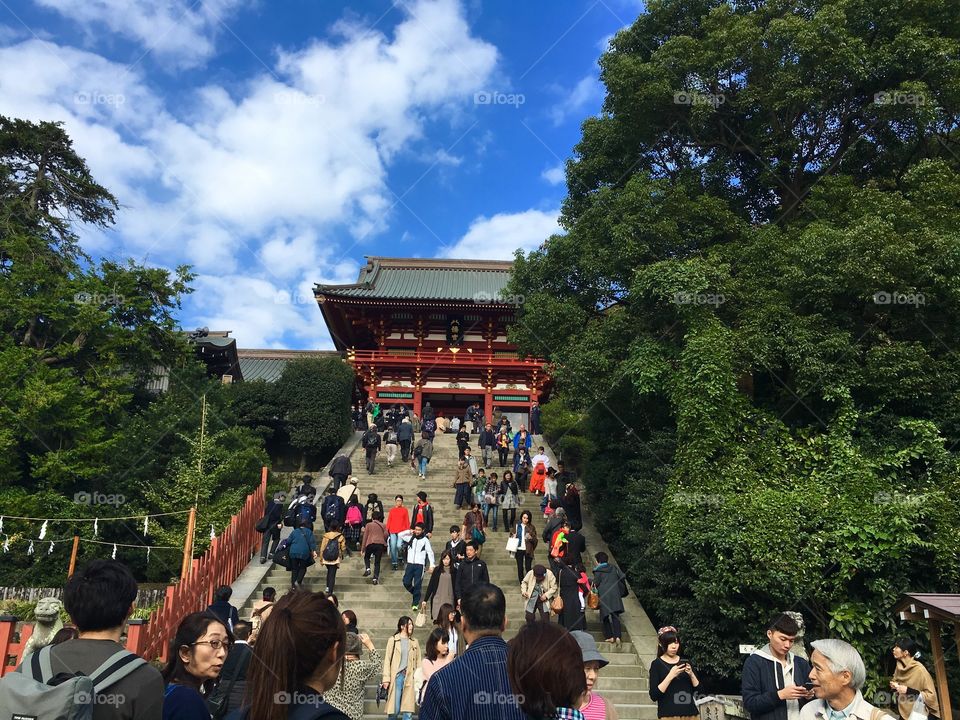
column 458, row 548
column 469, row 574
column 370, row 440
column 235, row 666
column 226, row 612
column 341, row 465
column 274, row 514
column 371, row 507
column 404, row 431
column 576, row 546
column 427, row 518
column 763, row 679
column 487, row 437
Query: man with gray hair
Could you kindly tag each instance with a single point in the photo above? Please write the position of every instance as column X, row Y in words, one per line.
column 837, row 674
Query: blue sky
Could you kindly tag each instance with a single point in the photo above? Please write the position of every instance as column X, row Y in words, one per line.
column 271, row 145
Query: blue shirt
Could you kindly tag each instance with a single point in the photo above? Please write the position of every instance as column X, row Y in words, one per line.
column 475, row 686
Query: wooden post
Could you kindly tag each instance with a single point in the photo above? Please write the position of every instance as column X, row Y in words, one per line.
column 136, row 636
column 73, row 555
column 936, row 649
column 188, row 544
column 8, row 625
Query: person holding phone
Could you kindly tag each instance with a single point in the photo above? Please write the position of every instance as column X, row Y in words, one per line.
column 774, row 677
column 672, row 678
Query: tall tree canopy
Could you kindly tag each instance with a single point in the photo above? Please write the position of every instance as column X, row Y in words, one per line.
column 753, row 313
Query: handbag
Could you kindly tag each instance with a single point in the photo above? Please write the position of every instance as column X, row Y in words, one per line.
column 593, row 599
column 478, row 535
column 263, row 524
column 513, row 544
column 421, row 619
column 556, row 605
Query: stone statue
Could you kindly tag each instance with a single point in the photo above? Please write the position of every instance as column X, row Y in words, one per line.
column 47, row 625
column 799, row 649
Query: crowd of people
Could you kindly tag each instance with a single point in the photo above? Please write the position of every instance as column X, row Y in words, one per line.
column 299, row 656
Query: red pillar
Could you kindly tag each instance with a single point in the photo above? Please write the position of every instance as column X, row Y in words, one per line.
column 8, row 625
column 488, row 406
column 136, row 636
column 418, row 402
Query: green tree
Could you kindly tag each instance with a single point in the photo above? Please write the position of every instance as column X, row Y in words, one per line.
column 753, row 310
column 316, row 394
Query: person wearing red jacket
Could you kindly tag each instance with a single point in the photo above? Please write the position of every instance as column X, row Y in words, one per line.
column 397, row 521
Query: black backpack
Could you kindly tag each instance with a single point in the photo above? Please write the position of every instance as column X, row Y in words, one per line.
column 331, row 510
column 370, row 441
column 331, row 551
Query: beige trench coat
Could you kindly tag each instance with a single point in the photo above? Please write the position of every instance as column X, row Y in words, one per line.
column 391, row 666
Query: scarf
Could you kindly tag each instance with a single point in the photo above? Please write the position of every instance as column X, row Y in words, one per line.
column 914, row 675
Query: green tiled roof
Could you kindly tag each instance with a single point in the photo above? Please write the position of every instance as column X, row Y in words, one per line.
column 422, row 279
column 268, row 364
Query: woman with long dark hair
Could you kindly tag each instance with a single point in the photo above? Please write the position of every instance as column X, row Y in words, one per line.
column 436, row 655
column 400, row 663
column 298, row 657
column 526, row 535
column 511, row 500
column 442, row 582
column 447, row 621
column 194, row 660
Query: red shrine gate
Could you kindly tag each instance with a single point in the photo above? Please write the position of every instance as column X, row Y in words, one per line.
column 418, row 330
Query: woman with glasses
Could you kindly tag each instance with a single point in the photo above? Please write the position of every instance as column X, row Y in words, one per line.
column 196, row 656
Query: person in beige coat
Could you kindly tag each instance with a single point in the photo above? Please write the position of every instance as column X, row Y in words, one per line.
column 400, row 662
column 332, row 565
column 538, row 588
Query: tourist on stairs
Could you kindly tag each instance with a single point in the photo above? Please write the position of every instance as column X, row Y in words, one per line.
column 374, row 544
column 303, row 548
column 333, row 546
column 526, row 535
column 447, row 620
column 594, row 707
column 401, row 661
column 423, row 452
column 347, row 694
column 397, row 521
column 419, row 551
column 463, row 483
column 611, row 585
column 440, row 590
column 472, row 571
column 538, row 588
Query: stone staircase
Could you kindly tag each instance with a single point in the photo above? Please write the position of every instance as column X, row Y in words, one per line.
column 623, row 681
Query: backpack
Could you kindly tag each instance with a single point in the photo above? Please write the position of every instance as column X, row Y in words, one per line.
column 331, row 510
column 331, row 551
column 370, row 440
column 354, row 516
column 29, row 693
column 429, row 425
column 281, row 556
column 418, row 451
column 391, row 437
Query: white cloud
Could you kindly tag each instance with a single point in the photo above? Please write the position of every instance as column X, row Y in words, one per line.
column 497, row 237
column 255, row 186
column 554, row 175
column 177, row 31
column 585, row 96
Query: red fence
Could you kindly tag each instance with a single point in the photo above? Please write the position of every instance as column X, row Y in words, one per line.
column 225, row 559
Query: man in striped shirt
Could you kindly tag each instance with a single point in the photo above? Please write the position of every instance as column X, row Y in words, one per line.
column 475, row 686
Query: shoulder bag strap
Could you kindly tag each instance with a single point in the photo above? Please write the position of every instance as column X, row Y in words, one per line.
column 115, row 668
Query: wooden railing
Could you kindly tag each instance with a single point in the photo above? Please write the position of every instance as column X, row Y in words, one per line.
column 228, row 554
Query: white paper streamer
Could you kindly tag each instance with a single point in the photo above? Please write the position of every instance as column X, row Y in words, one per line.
column 6, row 544
column 212, row 533
column 50, row 549
column 114, row 555
column 30, row 549
column 43, row 530
column 1, row 523
column 95, row 522
column 148, row 554
column 146, row 524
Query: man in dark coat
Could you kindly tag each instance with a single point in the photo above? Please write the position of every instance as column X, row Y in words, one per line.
column 428, row 412
column 274, row 516
column 370, row 441
column 773, row 676
column 611, row 584
column 472, row 571
column 222, row 608
column 340, row 469
column 405, row 438
column 233, row 676
column 535, row 428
